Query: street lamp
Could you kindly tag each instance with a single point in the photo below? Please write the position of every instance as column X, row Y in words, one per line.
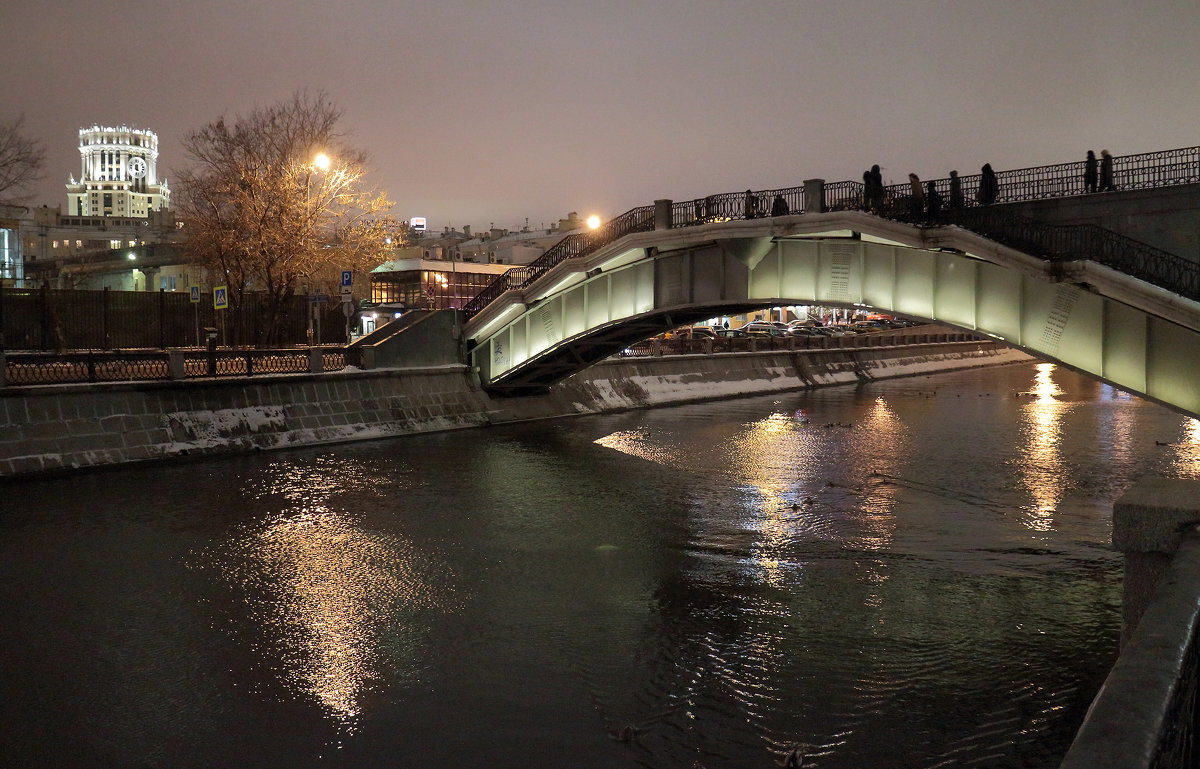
column 593, row 222
column 321, row 161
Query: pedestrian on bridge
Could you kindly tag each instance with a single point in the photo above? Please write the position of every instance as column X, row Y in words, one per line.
column 933, row 208
column 751, row 205
column 917, row 203
column 989, row 188
column 876, row 188
column 1089, row 172
column 956, row 196
column 1106, row 172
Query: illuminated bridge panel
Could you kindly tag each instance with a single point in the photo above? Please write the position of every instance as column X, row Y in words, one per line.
column 591, row 312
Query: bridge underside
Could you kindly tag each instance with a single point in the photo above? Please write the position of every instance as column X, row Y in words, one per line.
column 1084, row 316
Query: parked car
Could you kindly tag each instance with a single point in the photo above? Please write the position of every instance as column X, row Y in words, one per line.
column 694, row 332
column 736, row 333
column 766, row 328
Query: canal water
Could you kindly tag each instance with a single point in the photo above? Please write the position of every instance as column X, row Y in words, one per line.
column 919, row 575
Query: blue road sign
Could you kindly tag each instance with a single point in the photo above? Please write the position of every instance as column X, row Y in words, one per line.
column 347, row 275
column 195, row 294
column 221, row 297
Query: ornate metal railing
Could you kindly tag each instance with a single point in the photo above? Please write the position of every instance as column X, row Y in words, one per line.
column 35, row 368
column 578, row 244
column 1130, row 172
column 1068, row 242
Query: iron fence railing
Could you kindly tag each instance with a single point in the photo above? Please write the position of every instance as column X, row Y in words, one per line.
column 1130, row 172
column 33, row 368
column 696, row 346
column 74, row 319
column 578, row 244
column 1067, row 242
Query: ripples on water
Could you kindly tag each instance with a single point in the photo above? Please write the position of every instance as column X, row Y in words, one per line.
column 919, row 576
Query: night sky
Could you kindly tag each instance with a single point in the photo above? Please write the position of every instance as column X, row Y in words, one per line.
column 478, row 112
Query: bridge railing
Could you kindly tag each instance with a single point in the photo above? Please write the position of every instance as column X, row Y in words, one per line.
column 578, row 244
column 1068, row 242
column 1130, row 172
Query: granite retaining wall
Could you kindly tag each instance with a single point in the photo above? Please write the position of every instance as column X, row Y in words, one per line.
column 66, row 427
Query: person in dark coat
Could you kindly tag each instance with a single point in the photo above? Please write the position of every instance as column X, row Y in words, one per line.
column 1089, row 172
column 751, row 205
column 917, row 201
column 868, row 191
column 1106, row 172
column 933, row 203
column 956, row 196
column 989, row 187
column 779, row 206
column 877, row 187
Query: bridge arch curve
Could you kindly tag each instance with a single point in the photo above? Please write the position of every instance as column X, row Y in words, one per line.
column 1088, row 317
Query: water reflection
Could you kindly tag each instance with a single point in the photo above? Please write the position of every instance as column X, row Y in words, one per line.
column 341, row 606
column 1040, row 464
column 1186, row 460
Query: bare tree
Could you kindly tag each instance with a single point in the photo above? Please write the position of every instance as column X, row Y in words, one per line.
column 272, row 201
column 22, row 160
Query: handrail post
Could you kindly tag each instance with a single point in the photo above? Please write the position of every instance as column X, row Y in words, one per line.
column 177, row 364
column 662, row 214
column 814, row 196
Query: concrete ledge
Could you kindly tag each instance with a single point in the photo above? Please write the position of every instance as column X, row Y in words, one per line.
column 1137, row 715
column 1148, row 524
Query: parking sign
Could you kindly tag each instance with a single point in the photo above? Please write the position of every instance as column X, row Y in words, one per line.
column 347, row 275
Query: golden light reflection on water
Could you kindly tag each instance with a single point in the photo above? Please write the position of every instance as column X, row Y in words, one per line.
column 1185, row 461
column 340, row 603
column 1040, row 465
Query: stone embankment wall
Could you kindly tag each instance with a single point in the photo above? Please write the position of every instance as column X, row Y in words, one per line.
column 65, row 427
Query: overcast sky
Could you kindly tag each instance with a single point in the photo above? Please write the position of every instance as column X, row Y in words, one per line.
column 480, row 111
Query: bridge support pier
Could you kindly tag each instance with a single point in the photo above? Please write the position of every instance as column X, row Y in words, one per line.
column 1148, row 525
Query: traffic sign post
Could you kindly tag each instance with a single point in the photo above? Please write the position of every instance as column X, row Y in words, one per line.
column 221, row 302
column 194, row 297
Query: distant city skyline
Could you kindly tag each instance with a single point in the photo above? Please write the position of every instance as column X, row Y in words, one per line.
column 476, row 112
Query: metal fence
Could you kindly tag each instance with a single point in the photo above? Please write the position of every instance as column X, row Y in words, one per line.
column 1130, row 172
column 32, row 368
column 70, row 319
column 762, row 343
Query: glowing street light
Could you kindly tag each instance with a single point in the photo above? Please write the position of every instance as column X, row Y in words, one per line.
column 593, row 222
column 321, row 161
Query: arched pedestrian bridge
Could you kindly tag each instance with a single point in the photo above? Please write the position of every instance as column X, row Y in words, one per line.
column 1056, row 301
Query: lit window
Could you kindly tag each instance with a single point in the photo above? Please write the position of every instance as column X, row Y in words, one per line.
column 132, row 243
column 56, row 244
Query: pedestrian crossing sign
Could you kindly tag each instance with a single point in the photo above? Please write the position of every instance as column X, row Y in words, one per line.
column 221, row 297
column 195, row 294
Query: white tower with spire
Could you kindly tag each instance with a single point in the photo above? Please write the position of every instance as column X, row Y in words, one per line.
column 119, row 175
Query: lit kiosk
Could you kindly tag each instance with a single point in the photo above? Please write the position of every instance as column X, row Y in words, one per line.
column 119, row 174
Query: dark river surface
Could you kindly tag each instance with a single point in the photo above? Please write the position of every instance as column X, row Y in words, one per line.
column 920, row 576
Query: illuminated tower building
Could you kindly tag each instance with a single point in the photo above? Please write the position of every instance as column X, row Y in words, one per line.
column 119, row 175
